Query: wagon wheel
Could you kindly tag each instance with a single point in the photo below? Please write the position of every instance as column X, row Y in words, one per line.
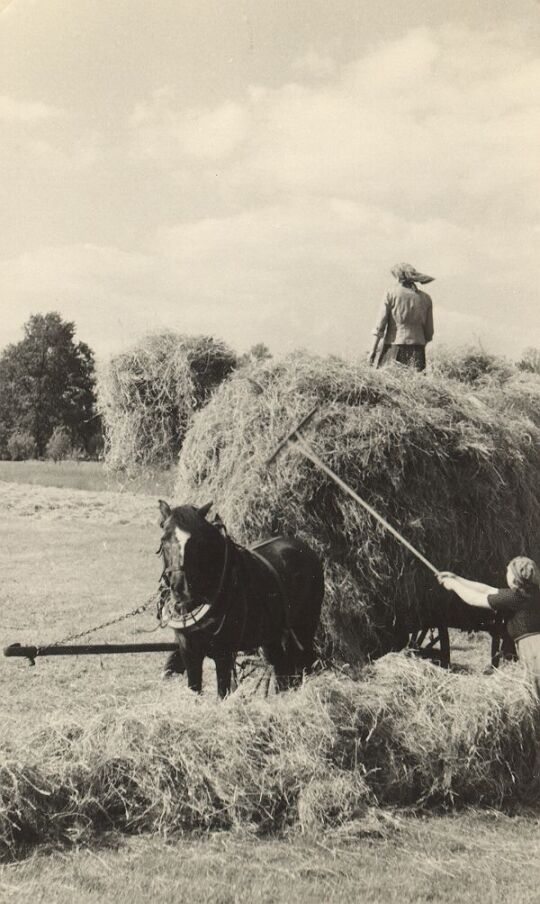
column 433, row 644
column 503, row 648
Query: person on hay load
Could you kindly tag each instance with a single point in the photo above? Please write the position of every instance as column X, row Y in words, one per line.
column 520, row 603
column 405, row 324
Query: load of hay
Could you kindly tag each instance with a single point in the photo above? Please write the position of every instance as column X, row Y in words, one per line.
column 148, row 394
column 471, row 364
column 515, row 387
column 455, row 469
column 406, row 733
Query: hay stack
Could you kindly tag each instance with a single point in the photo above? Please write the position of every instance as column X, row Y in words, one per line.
column 471, row 364
column 147, row 395
column 457, row 470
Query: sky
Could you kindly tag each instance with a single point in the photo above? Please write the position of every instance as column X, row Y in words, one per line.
column 251, row 169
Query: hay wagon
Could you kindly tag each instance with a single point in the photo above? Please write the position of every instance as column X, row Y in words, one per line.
column 427, row 635
column 432, row 641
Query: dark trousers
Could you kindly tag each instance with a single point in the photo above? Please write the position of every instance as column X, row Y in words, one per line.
column 409, row 355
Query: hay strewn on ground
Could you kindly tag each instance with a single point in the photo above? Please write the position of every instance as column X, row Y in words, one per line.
column 456, row 469
column 23, row 500
column 406, row 733
column 147, row 395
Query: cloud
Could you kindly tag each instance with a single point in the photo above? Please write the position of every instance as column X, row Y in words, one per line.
column 316, row 65
column 276, row 215
column 164, row 133
column 414, row 126
column 310, row 273
column 439, row 122
column 25, row 112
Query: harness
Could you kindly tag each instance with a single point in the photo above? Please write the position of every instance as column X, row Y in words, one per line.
column 282, row 592
column 197, row 618
column 167, row 613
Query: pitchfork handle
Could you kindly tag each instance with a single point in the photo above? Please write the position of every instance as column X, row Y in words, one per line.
column 292, row 435
column 308, row 452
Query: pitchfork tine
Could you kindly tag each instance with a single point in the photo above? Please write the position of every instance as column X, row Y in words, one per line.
column 292, row 435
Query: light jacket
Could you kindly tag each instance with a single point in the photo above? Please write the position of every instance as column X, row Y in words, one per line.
column 406, row 317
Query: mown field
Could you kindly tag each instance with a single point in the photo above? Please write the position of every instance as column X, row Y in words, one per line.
column 72, row 558
column 85, row 475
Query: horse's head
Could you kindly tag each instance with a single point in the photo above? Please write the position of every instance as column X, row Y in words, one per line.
column 192, row 550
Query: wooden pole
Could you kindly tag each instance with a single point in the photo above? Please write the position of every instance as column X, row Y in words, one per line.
column 31, row 652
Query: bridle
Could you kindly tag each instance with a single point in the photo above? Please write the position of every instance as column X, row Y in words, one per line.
column 191, row 619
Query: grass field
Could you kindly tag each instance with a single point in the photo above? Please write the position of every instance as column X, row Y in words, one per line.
column 85, row 475
column 73, row 558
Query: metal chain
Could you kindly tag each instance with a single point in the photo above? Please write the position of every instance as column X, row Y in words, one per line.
column 139, row 610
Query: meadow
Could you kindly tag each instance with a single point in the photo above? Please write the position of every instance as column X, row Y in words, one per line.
column 72, row 558
column 86, row 475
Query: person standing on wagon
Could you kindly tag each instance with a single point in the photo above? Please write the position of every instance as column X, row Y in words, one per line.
column 520, row 602
column 405, row 325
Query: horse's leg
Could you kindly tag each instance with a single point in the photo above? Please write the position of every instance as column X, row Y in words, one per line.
column 194, row 666
column 174, row 665
column 191, row 653
column 282, row 665
column 224, row 669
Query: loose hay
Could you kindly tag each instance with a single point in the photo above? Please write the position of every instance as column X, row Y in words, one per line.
column 457, row 470
column 405, row 733
column 470, row 364
column 147, row 395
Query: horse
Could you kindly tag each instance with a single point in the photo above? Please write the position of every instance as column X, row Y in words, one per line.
column 224, row 598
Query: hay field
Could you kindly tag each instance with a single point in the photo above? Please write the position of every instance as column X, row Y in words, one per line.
column 70, row 559
column 87, row 475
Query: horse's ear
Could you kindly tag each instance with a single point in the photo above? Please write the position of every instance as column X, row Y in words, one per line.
column 203, row 511
column 217, row 522
column 165, row 510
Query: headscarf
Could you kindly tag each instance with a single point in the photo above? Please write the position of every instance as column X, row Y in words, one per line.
column 408, row 273
column 523, row 574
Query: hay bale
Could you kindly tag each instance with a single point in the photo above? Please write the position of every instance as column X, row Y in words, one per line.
column 456, row 469
column 405, row 733
column 148, row 394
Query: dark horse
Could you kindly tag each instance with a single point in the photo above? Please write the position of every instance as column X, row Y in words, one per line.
column 224, row 598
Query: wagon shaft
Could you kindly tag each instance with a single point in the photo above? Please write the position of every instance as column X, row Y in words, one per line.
column 97, row 649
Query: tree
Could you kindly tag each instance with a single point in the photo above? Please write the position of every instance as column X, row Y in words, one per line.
column 21, row 446
column 59, row 445
column 530, row 361
column 46, row 381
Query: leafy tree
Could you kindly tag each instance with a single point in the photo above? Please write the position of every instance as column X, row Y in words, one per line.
column 59, row 445
column 21, row 446
column 46, row 381
column 530, row 361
